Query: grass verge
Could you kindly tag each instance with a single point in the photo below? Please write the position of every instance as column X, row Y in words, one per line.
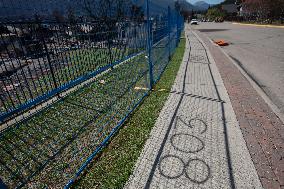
column 113, row 166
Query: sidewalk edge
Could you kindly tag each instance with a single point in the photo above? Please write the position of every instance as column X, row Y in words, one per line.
column 235, row 134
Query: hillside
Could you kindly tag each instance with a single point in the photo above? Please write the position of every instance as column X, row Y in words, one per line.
column 225, row 3
column 187, row 6
column 162, row 5
column 201, row 5
column 228, row 2
column 18, row 9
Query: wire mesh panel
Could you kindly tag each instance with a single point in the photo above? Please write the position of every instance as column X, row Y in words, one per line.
column 111, row 51
column 39, row 61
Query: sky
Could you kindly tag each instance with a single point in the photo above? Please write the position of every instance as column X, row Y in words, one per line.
column 208, row 1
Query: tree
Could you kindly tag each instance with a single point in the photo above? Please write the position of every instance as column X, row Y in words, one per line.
column 137, row 13
column 192, row 14
column 275, row 9
column 37, row 18
column 186, row 14
column 4, row 30
column 177, row 6
column 58, row 16
column 214, row 13
column 107, row 9
column 260, row 10
column 71, row 16
column 110, row 15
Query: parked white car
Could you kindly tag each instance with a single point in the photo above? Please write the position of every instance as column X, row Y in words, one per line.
column 194, row 22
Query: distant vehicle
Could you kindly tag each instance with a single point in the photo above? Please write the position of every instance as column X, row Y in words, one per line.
column 194, row 22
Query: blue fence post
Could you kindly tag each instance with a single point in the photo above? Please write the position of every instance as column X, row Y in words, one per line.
column 169, row 31
column 50, row 65
column 149, row 45
column 179, row 26
column 177, row 19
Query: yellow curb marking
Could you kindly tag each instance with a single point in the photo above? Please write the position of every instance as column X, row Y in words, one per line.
column 259, row 25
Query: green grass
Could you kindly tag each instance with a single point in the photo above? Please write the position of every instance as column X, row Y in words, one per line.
column 114, row 165
column 34, row 141
column 90, row 114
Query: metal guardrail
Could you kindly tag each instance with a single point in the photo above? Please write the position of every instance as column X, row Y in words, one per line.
column 40, row 60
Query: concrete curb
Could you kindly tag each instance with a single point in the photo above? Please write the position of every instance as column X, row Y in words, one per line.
column 259, row 25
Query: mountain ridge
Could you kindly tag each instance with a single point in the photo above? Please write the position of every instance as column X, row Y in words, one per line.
column 18, row 9
column 201, row 5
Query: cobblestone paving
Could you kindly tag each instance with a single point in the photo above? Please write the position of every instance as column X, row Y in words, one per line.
column 189, row 145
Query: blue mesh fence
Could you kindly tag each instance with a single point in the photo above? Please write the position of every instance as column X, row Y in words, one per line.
column 70, row 75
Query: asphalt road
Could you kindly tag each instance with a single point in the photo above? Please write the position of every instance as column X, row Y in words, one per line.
column 259, row 50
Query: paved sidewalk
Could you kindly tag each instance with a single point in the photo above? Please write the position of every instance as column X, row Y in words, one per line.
column 262, row 129
column 196, row 141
